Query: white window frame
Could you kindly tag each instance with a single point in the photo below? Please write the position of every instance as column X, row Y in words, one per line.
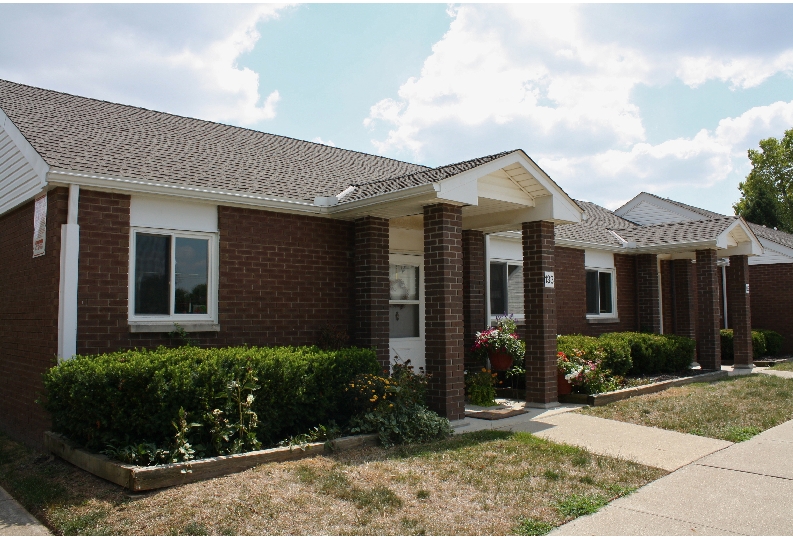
column 413, row 261
column 613, row 314
column 212, row 278
column 493, row 316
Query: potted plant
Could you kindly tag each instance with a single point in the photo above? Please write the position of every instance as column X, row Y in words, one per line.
column 500, row 344
column 564, row 368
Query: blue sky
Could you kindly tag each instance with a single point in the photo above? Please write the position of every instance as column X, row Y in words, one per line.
column 608, row 99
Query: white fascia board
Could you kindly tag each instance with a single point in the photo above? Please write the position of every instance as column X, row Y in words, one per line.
column 776, row 247
column 583, row 245
column 220, row 197
column 751, row 248
column 361, row 207
column 557, row 206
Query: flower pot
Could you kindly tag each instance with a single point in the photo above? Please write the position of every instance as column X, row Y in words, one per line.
column 563, row 385
column 500, row 361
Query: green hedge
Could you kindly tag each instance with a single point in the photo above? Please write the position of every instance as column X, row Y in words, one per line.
column 616, row 353
column 134, row 396
column 634, row 352
column 764, row 343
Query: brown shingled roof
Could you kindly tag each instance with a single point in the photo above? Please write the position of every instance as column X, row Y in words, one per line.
column 92, row 136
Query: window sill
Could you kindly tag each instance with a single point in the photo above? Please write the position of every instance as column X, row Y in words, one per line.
column 602, row 320
column 136, row 327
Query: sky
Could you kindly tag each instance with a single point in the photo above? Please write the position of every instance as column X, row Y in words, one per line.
column 609, row 99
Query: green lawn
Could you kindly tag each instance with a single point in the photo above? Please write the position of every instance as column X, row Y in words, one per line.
column 478, row 483
column 733, row 409
column 783, row 366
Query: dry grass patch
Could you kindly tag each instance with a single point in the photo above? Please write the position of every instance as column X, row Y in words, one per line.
column 733, row 409
column 479, row 483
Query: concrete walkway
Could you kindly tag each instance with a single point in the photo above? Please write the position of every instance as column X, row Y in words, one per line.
column 744, row 489
column 14, row 520
column 669, row 450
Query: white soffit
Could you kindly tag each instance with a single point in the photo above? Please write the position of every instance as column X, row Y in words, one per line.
column 738, row 239
column 598, row 259
column 23, row 173
column 168, row 213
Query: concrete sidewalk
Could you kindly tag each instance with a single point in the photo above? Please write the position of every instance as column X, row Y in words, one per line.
column 744, row 489
column 14, row 520
column 669, row 450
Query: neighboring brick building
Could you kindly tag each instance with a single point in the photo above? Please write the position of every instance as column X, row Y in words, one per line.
column 243, row 237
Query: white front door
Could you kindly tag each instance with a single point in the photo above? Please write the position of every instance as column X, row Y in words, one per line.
column 406, row 309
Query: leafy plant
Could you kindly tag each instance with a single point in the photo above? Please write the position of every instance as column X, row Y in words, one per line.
column 142, row 454
column 481, row 387
column 183, row 451
column 502, row 338
column 317, row 434
column 585, row 375
column 400, row 415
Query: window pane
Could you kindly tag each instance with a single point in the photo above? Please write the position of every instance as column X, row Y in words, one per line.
column 515, row 289
column 592, row 302
column 498, row 298
column 152, row 274
column 404, row 281
column 404, row 320
column 192, row 261
column 605, row 293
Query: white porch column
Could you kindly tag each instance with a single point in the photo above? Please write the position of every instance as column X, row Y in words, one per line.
column 67, row 292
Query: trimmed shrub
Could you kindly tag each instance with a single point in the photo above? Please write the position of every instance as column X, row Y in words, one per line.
column 634, row 353
column 614, row 352
column 132, row 397
column 655, row 353
column 773, row 342
column 759, row 344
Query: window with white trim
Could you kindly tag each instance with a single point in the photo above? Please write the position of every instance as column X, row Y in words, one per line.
column 172, row 276
column 404, row 302
column 506, row 288
column 600, row 293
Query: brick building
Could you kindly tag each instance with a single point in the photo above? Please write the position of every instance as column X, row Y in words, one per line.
column 116, row 223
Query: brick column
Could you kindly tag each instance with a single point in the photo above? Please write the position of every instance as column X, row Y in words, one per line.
column 371, row 286
column 708, row 336
column 540, row 311
column 474, row 310
column 738, row 310
column 649, row 313
column 443, row 314
column 685, row 298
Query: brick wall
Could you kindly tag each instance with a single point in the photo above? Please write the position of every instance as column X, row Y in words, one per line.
column 28, row 315
column 739, row 310
column 474, row 310
column 283, row 278
column 571, row 294
column 708, row 307
column 771, row 291
column 649, row 314
column 540, row 307
column 443, row 292
column 372, row 286
column 667, row 298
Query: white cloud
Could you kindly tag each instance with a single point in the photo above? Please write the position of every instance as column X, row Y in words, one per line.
column 323, row 142
column 559, row 81
column 740, row 72
column 179, row 58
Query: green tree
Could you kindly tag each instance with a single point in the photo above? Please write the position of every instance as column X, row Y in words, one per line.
column 767, row 192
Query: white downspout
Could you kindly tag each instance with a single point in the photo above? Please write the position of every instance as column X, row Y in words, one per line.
column 487, row 279
column 660, row 296
column 724, row 293
column 67, row 291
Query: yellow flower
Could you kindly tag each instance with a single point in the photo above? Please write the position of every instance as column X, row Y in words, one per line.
column 484, row 370
column 373, row 399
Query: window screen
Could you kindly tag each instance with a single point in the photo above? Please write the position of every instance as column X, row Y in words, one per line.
column 404, row 312
column 605, row 292
column 192, row 265
column 515, row 290
column 498, row 289
column 592, row 293
column 152, row 274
